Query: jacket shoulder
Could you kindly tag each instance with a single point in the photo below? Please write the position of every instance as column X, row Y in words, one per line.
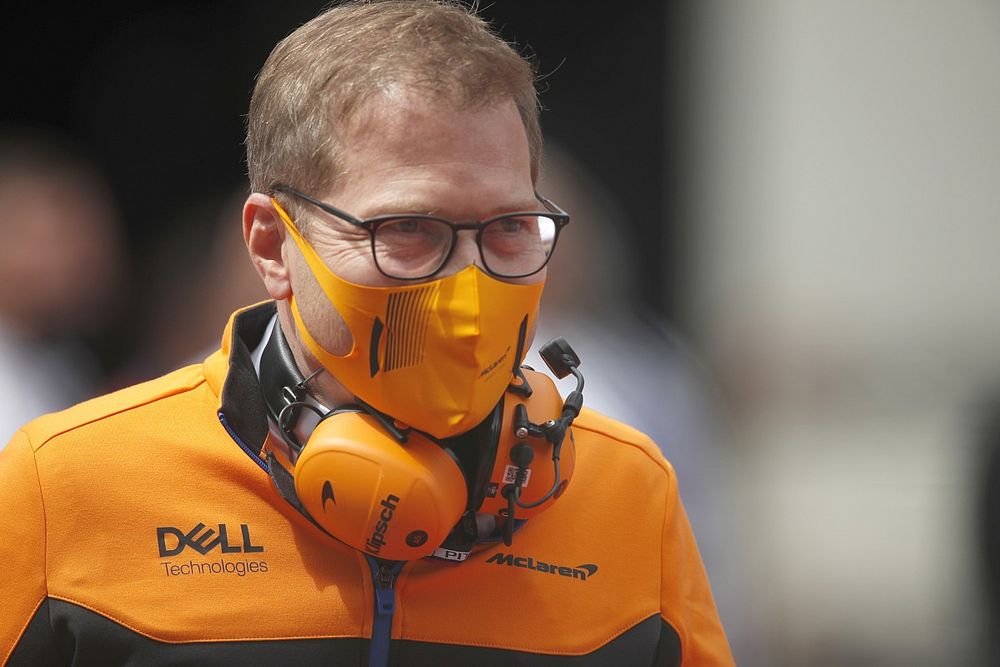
column 601, row 426
column 49, row 426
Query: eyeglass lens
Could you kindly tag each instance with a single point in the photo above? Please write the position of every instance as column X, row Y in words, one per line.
column 511, row 246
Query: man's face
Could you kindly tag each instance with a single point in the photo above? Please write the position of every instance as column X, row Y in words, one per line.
column 409, row 155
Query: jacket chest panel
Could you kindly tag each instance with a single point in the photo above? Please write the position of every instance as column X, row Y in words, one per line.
column 531, row 596
column 226, row 560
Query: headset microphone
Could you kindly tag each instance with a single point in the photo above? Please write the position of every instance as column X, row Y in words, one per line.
column 561, row 360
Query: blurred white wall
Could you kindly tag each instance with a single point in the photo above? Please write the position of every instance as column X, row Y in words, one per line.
column 845, row 281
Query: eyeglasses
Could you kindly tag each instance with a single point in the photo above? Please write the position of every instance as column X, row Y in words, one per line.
column 413, row 246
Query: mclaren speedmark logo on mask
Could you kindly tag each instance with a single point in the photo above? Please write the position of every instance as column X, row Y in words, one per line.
column 581, row 572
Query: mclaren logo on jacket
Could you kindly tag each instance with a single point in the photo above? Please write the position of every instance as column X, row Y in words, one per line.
column 581, row 572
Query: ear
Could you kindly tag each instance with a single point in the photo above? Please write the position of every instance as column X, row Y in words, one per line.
column 264, row 234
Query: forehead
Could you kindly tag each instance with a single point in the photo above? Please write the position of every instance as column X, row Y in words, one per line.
column 402, row 145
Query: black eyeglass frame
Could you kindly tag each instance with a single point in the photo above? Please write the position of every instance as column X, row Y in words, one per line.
column 559, row 216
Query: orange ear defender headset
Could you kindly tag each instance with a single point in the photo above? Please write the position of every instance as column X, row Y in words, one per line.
column 399, row 494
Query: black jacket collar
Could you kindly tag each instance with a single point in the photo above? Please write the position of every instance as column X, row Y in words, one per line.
column 243, row 409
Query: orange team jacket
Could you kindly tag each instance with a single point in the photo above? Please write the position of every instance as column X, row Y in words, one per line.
column 141, row 528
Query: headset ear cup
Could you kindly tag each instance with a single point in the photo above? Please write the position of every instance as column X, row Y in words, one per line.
column 391, row 500
column 544, row 403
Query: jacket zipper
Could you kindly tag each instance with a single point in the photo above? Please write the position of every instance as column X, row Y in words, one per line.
column 232, row 434
column 384, row 575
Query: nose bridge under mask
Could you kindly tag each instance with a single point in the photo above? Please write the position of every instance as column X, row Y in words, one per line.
column 461, row 294
column 464, row 254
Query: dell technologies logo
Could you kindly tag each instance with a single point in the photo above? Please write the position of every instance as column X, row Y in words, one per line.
column 581, row 572
column 202, row 540
column 172, row 541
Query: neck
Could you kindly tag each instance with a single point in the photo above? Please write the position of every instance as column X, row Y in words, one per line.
column 323, row 386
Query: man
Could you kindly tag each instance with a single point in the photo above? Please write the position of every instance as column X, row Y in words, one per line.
column 447, row 508
column 58, row 223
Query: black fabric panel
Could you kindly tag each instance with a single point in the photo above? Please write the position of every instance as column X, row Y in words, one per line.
column 633, row 648
column 668, row 654
column 87, row 638
column 476, row 452
column 285, row 483
column 242, row 400
column 79, row 637
column 37, row 647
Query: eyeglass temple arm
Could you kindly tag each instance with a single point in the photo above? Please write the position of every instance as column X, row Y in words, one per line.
column 552, row 206
column 336, row 212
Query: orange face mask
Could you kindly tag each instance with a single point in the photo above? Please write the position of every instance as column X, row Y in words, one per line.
column 437, row 355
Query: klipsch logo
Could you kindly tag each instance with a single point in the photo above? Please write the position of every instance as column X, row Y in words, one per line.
column 581, row 572
column 375, row 542
column 202, row 540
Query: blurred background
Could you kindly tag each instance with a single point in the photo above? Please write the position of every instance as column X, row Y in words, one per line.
column 782, row 265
